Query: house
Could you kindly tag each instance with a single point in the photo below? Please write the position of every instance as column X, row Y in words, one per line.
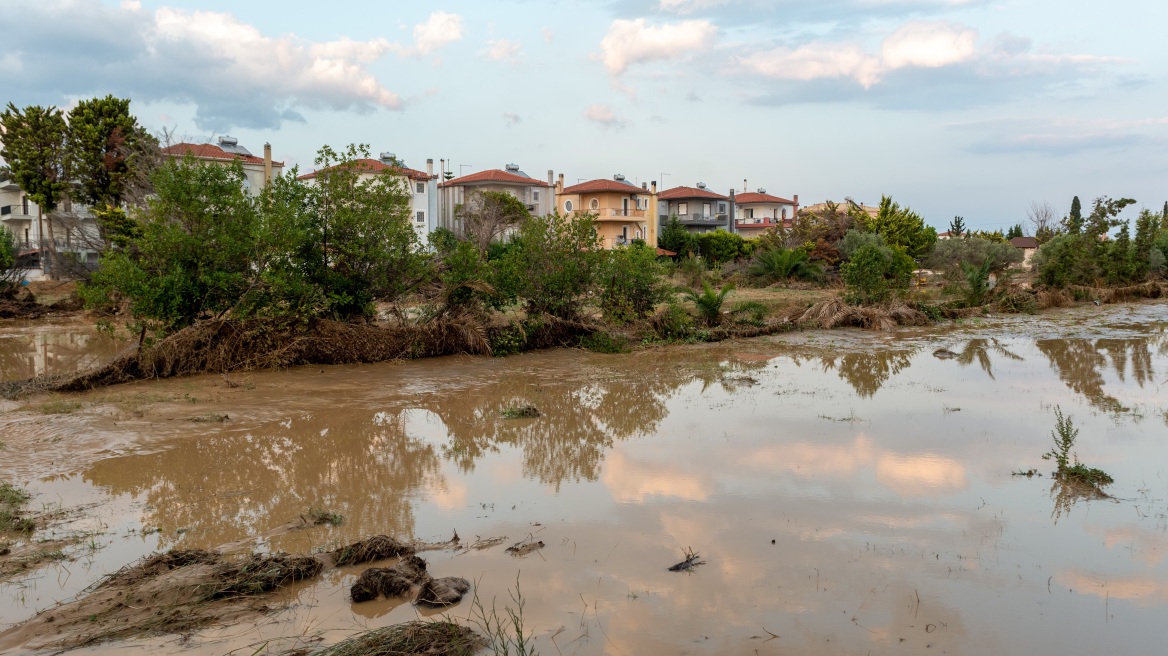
column 258, row 171
column 696, row 208
column 756, row 212
column 1028, row 246
column 422, row 187
column 537, row 195
column 71, row 231
column 622, row 210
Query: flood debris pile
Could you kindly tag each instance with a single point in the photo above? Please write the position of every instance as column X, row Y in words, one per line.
column 692, row 560
column 525, row 546
column 173, row 592
column 417, row 637
column 378, row 547
column 835, row 313
column 409, row 579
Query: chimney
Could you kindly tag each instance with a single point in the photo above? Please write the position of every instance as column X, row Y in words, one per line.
column 796, row 199
column 653, row 187
column 560, row 184
column 442, row 168
column 551, row 178
column 430, row 166
column 744, row 187
column 267, row 163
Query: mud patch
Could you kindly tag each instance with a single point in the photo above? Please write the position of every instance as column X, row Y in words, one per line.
column 174, row 592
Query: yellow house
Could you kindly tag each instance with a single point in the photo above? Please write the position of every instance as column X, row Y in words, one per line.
column 622, row 210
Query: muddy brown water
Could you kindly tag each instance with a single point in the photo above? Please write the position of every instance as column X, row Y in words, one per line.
column 848, row 491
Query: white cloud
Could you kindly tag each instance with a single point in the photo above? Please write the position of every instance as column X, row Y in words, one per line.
column 503, row 50
column 440, row 30
column 548, row 34
column 928, row 45
column 631, row 42
column 604, row 115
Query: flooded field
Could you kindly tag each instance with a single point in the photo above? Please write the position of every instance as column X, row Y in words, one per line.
column 849, row 492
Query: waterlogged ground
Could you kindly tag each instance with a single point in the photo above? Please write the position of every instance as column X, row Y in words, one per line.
column 849, row 492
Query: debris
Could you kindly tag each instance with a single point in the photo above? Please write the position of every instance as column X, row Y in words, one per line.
column 944, row 354
column 487, row 543
column 410, row 579
column 378, row 547
column 521, row 412
column 445, row 591
column 691, row 561
column 417, row 637
column 525, row 546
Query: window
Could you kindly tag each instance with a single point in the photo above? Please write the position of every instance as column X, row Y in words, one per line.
column 567, row 206
column 705, row 209
column 421, row 187
column 535, row 195
column 682, row 208
column 593, row 204
column 721, row 208
column 749, row 213
column 421, row 217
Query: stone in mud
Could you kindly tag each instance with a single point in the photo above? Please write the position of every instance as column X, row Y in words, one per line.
column 397, row 581
column 442, row 592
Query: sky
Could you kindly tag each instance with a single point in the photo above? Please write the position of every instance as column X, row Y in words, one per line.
column 974, row 108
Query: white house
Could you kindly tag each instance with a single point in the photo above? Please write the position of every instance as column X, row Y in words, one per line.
column 422, row 186
column 75, row 236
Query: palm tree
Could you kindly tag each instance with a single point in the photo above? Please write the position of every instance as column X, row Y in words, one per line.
column 781, row 264
column 708, row 302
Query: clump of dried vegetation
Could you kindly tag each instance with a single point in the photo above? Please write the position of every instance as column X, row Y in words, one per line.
column 417, row 637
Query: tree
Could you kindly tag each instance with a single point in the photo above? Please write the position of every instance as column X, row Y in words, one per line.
column 721, row 246
column 1147, row 228
column 487, row 215
column 1043, row 220
column 102, row 142
column 901, row 227
column 1073, row 224
column 632, row 283
column 708, row 302
column 1014, row 231
column 674, row 237
column 874, row 273
column 9, row 273
column 956, row 227
column 34, row 148
column 951, row 256
column 552, row 265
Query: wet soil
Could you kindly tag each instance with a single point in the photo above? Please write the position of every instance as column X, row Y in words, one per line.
column 847, row 490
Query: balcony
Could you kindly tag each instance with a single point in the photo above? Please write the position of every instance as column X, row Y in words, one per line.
column 615, row 214
column 14, row 213
column 702, row 219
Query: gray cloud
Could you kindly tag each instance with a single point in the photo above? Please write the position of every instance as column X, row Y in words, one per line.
column 1061, row 136
column 235, row 75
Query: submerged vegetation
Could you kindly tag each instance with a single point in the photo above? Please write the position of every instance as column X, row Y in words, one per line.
column 12, row 519
column 1068, row 468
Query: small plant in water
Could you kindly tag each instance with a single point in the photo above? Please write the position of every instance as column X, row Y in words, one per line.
column 505, row 635
column 520, row 412
column 319, row 516
column 1069, row 469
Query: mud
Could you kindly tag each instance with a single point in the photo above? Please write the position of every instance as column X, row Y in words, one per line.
column 849, row 491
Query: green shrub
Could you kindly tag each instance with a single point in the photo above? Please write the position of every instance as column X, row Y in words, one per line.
column 603, row 342
column 721, row 246
column 977, row 280
column 855, row 239
column 632, row 283
column 749, row 312
column 507, row 340
column 552, row 266
column 673, row 323
column 708, row 302
column 874, row 274
column 950, row 256
column 775, row 264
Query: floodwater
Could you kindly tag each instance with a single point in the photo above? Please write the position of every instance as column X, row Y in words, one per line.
column 849, row 492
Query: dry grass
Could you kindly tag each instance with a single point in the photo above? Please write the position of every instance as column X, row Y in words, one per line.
column 835, row 313
column 417, row 638
column 378, row 547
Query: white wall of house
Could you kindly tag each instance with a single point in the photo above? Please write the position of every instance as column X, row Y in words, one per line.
column 74, row 229
column 760, row 211
column 539, row 200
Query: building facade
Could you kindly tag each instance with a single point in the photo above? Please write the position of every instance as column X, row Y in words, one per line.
column 622, row 210
column 697, row 208
column 538, row 196
column 70, row 231
column 257, row 171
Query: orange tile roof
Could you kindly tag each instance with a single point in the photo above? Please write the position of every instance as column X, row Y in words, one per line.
column 603, row 184
column 689, row 192
column 211, row 151
column 493, row 175
column 376, row 166
column 751, row 197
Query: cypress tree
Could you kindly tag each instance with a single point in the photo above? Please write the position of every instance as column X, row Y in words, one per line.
column 1075, row 220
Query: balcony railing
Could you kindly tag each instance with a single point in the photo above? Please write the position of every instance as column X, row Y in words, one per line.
column 14, row 212
column 702, row 219
column 617, row 213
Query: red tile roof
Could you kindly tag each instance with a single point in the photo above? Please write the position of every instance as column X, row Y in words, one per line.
column 1024, row 242
column 678, row 193
column 376, row 166
column 603, row 184
column 751, row 197
column 493, row 175
column 211, row 151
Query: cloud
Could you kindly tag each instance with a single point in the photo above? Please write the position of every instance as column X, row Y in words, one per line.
column 503, row 50
column 512, row 118
column 631, row 42
column 916, row 44
column 1055, row 136
column 234, row 74
column 548, row 34
column 689, row 6
column 693, row 97
column 440, row 30
column 604, row 115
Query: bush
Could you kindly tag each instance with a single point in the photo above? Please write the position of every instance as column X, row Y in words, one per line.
column 749, row 312
column 708, row 302
column 721, row 246
column 9, row 274
column 632, row 283
column 673, row 323
column 675, row 237
column 874, row 273
column 781, row 264
column 950, row 256
column 902, row 228
column 602, row 342
column 552, row 266
column 855, row 239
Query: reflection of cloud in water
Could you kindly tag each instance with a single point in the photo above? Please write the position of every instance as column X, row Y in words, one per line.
column 1144, row 591
column 907, row 475
column 636, row 480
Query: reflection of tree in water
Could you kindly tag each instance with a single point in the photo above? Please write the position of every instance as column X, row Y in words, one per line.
column 221, row 487
column 867, row 372
column 578, row 421
column 979, row 350
column 67, row 351
column 1080, row 364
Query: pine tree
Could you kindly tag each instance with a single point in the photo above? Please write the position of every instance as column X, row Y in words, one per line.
column 957, row 227
column 1147, row 227
column 1074, row 222
column 1014, row 231
column 102, row 140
